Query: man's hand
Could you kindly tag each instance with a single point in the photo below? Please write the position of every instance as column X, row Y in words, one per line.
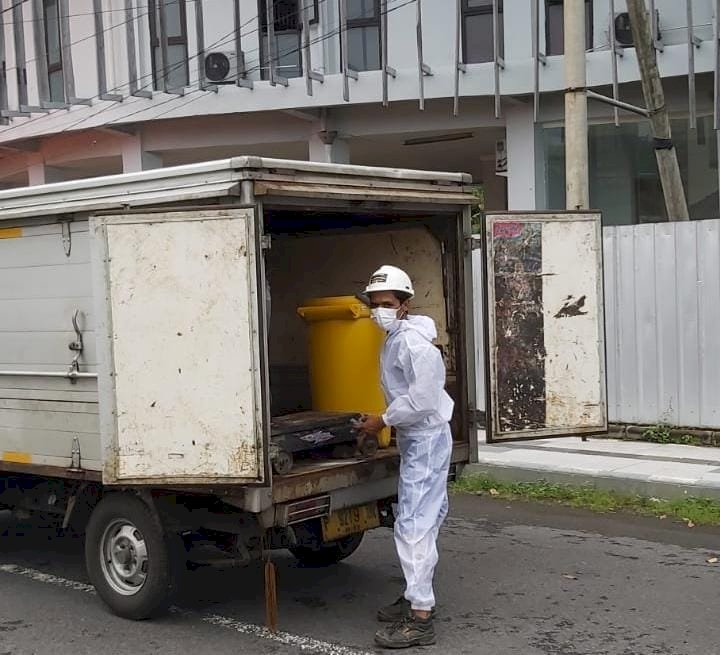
column 371, row 424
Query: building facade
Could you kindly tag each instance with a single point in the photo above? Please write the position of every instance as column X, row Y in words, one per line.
column 96, row 87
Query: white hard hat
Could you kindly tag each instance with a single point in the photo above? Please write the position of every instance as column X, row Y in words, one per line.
column 390, row 278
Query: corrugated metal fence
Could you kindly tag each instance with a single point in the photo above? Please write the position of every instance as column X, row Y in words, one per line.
column 662, row 309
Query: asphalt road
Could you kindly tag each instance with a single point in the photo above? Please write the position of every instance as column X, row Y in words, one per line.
column 513, row 578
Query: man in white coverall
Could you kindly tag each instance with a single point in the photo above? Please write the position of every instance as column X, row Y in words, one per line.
column 413, row 379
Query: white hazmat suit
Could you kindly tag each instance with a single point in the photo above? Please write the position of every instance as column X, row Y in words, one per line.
column 413, row 378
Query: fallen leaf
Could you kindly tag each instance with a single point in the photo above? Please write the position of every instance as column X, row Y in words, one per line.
column 712, row 560
column 569, row 577
column 690, row 524
column 494, row 492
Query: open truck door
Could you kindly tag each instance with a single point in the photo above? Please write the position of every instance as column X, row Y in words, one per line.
column 179, row 338
column 544, row 325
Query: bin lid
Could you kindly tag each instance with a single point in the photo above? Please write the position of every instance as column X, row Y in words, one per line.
column 333, row 308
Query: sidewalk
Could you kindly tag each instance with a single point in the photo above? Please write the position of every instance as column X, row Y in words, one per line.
column 648, row 469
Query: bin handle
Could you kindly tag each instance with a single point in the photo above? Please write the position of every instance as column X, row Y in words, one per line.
column 330, row 313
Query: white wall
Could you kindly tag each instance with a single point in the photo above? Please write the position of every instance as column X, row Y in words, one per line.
column 439, row 48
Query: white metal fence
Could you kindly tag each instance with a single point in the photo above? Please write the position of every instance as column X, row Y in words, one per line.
column 662, row 312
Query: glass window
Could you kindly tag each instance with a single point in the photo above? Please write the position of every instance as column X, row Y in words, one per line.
column 363, row 34
column 624, row 182
column 477, row 21
column 176, row 74
column 287, row 27
column 53, row 49
column 554, row 24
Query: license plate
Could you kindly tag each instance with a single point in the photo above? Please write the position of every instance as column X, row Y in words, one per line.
column 349, row 521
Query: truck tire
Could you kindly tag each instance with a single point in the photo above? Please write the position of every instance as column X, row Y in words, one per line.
column 328, row 553
column 129, row 558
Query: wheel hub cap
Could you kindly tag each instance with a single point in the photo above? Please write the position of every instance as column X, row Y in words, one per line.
column 124, row 557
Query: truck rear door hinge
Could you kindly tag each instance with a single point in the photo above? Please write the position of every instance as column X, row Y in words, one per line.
column 476, row 418
column 473, row 242
column 265, row 242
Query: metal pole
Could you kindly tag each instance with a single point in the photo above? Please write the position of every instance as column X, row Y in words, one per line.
column 614, row 55
column 421, row 73
column 657, row 38
column 534, row 17
column 692, row 97
column 130, row 21
column 48, row 374
column 200, row 37
column 459, row 64
column 499, row 62
column 162, row 23
column 344, row 50
column 716, row 99
column 634, row 109
column 240, row 69
column 665, row 153
column 271, row 50
column 307, row 57
column 577, row 192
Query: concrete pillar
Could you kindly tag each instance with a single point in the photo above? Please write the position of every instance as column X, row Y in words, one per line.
column 134, row 159
column 328, row 148
column 40, row 173
column 524, row 158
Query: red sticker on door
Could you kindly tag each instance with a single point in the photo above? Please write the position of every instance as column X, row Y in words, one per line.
column 507, row 230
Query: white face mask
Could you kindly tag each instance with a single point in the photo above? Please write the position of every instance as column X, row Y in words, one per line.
column 385, row 317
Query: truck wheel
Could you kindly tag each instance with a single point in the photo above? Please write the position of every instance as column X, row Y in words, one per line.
column 328, row 553
column 129, row 558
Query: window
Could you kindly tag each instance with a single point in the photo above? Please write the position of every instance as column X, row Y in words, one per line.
column 477, row 23
column 53, row 51
column 287, row 27
column 624, row 180
column 363, row 34
column 174, row 74
column 554, row 33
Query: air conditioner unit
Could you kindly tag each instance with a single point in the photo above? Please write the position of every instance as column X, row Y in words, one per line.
column 221, row 67
column 623, row 32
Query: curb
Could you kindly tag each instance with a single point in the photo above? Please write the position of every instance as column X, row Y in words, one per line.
column 628, row 486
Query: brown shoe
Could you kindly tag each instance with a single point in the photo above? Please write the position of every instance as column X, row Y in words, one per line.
column 410, row 631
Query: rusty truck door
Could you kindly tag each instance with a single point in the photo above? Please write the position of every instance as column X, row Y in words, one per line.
column 544, row 325
column 179, row 335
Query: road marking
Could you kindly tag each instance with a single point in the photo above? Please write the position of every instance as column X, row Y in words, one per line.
column 47, row 578
column 305, row 644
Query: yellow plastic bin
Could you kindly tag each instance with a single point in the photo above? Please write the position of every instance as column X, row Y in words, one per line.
column 344, row 354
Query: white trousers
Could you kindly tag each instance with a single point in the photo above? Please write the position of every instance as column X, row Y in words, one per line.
column 422, row 508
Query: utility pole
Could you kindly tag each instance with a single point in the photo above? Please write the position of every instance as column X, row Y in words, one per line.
column 577, row 191
column 675, row 202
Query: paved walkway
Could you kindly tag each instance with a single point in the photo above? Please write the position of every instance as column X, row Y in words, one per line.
column 660, row 470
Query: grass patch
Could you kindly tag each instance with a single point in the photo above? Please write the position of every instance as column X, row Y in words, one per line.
column 694, row 511
column 665, row 434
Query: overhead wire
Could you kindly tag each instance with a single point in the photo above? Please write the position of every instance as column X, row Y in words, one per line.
column 335, row 32
column 231, row 35
column 227, row 38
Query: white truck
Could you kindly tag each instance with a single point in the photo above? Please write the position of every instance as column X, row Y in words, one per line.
column 140, row 366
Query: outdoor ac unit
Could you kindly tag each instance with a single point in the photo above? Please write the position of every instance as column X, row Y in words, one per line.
column 623, row 32
column 221, row 67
